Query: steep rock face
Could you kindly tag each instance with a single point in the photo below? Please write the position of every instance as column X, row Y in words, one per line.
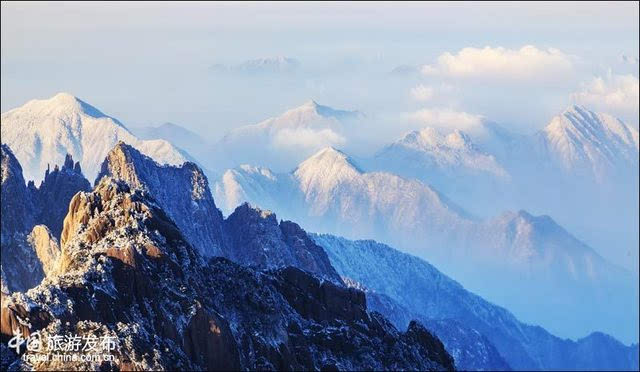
column 248, row 236
column 430, row 295
column 183, row 192
column 469, row 348
column 29, row 251
column 293, row 321
column 117, row 277
column 257, row 239
column 56, row 190
column 20, row 267
column 46, row 247
column 17, row 208
column 128, row 272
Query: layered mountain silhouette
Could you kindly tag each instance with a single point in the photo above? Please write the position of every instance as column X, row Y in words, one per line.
column 124, row 265
column 146, row 255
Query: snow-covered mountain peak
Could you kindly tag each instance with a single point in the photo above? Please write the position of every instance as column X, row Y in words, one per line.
column 543, row 223
column 312, row 104
column 283, row 141
column 63, row 99
column 540, row 238
column 591, row 126
column 43, row 132
column 430, row 137
column 63, row 106
column 523, row 217
column 311, row 110
column 583, row 139
column 330, row 152
column 428, row 151
column 328, row 161
column 459, row 139
column 182, row 191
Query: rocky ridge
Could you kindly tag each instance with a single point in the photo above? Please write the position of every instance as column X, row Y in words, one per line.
column 127, row 271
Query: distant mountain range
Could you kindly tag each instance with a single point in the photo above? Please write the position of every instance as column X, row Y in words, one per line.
column 497, row 257
column 124, row 268
column 422, row 292
column 150, row 225
column 594, row 144
column 105, row 228
column 282, row 141
column 260, row 66
column 579, row 163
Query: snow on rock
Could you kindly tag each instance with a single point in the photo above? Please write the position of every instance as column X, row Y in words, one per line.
column 182, row 191
column 32, row 220
column 329, row 192
column 460, row 317
column 584, row 141
column 43, row 132
column 249, row 236
column 444, row 153
column 495, row 257
column 127, row 271
column 256, row 239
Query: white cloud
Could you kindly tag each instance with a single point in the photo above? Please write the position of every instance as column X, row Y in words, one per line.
column 446, row 119
column 422, row 93
column 525, row 64
column 616, row 94
column 305, row 138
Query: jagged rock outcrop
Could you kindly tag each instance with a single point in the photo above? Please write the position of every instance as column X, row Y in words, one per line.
column 128, row 272
column 249, row 236
column 458, row 316
column 20, row 268
column 17, row 209
column 182, row 191
column 471, row 350
column 55, row 191
column 32, row 220
column 46, row 247
column 255, row 238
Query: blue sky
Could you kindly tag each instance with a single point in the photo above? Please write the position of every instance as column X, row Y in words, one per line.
column 150, row 63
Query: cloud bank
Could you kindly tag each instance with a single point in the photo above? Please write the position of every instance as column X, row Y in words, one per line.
column 616, row 94
column 446, row 120
column 525, row 64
